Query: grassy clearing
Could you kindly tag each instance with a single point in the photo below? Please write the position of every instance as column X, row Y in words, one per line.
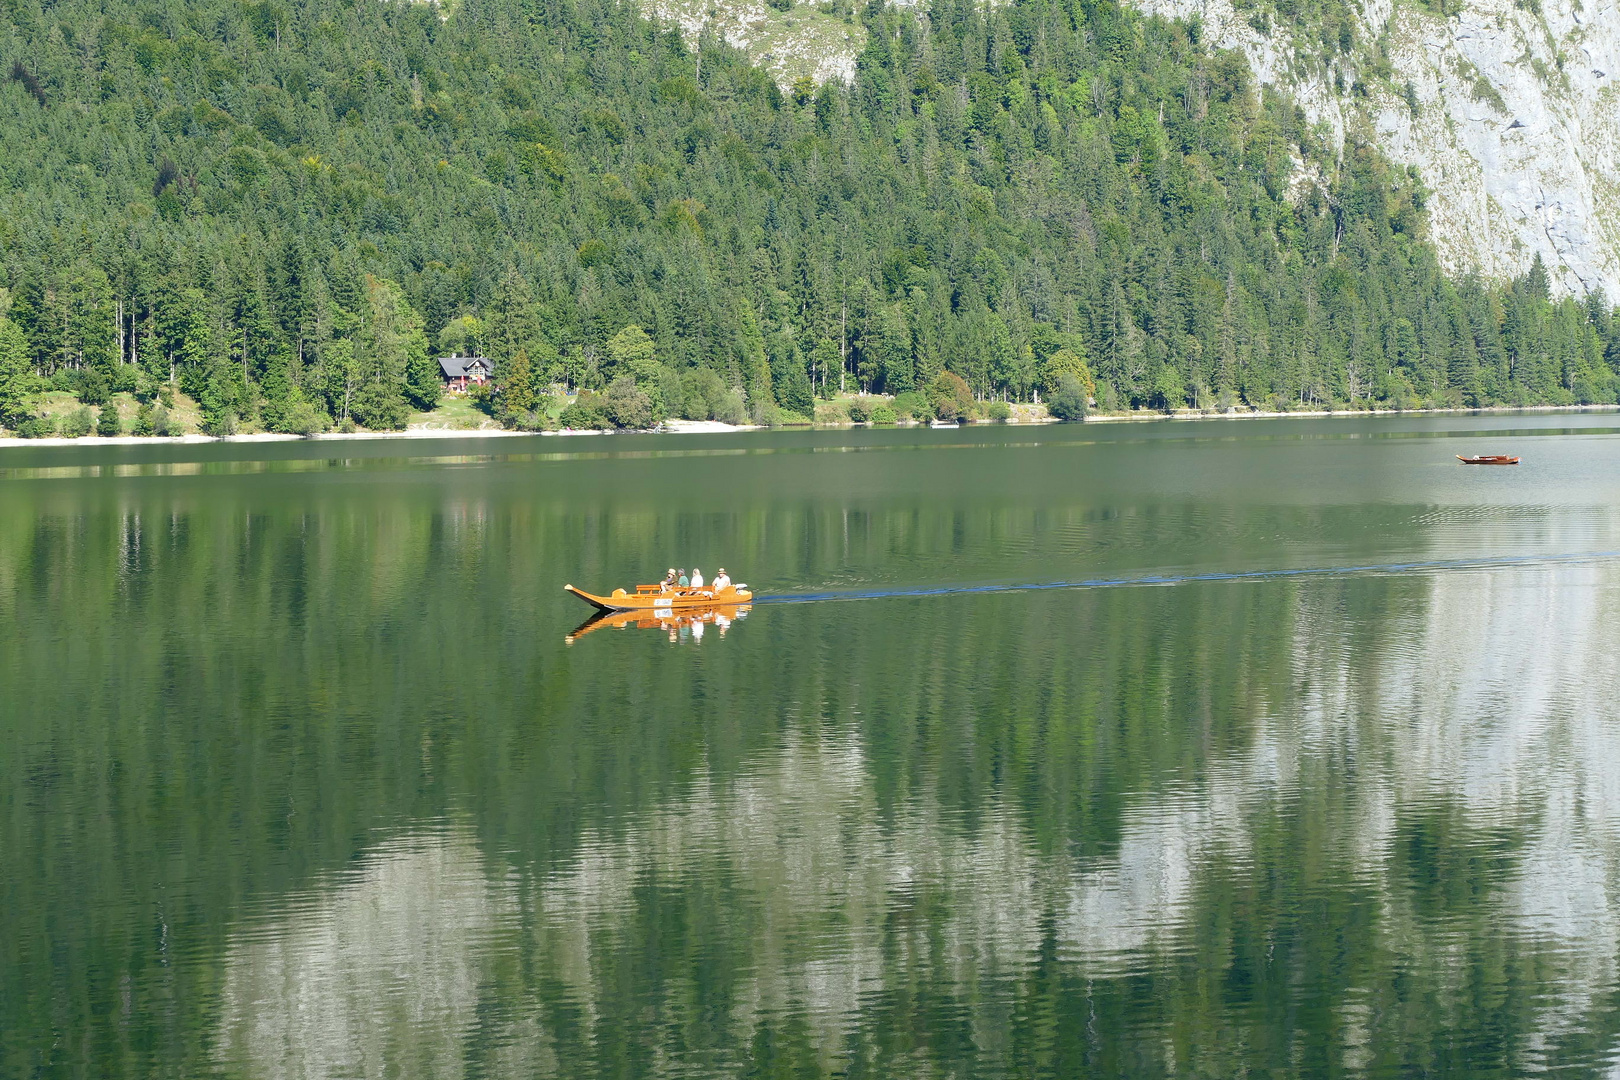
column 455, row 413
column 58, row 405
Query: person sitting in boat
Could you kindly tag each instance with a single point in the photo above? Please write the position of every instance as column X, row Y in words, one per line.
column 697, row 578
column 722, row 582
column 669, row 581
column 682, row 581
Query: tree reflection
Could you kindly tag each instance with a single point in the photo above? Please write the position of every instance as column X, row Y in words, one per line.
column 1418, row 875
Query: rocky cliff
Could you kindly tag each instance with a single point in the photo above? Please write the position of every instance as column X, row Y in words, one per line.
column 1508, row 109
column 818, row 42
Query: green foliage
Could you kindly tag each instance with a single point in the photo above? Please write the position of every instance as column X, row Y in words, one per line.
column 913, row 405
column 301, row 418
column 108, row 426
column 17, row 379
column 342, row 376
column 733, row 408
column 36, row 427
column 1169, row 389
column 703, row 396
column 632, row 356
column 462, row 336
column 296, row 204
column 1066, row 362
column 93, row 387
column 627, row 405
column 1485, row 93
column 517, row 384
column 78, row 423
column 951, row 398
column 423, row 387
column 380, row 407
column 1069, row 401
column 160, row 423
column 218, row 422
column 883, row 413
column 860, row 411
column 631, row 352
column 998, row 412
column 588, row 412
column 790, row 378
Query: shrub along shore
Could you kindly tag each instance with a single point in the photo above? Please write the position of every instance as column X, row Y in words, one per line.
column 178, row 423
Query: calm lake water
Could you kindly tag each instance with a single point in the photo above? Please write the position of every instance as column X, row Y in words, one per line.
column 298, row 777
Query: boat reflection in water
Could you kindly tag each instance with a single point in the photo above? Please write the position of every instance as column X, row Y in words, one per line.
column 681, row 624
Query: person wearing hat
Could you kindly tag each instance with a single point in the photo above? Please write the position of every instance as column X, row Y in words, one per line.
column 722, row 582
column 669, row 581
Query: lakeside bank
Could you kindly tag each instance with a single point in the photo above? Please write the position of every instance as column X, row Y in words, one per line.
column 715, row 427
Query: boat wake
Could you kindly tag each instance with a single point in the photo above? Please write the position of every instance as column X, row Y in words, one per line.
column 1427, row 566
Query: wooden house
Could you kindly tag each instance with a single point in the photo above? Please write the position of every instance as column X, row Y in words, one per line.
column 459, row 372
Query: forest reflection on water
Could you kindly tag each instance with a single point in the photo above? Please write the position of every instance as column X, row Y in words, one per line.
column 299, row 778
column 1460, row 783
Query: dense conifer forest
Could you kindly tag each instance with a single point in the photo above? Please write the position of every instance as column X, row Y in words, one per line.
column 288, row 210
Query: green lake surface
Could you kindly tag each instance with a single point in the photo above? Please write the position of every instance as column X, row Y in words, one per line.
column 1311, row 767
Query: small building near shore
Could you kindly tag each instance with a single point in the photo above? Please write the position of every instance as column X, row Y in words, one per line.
column 460, row 372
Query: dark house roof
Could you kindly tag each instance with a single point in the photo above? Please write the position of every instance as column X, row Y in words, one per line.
column 456, row 367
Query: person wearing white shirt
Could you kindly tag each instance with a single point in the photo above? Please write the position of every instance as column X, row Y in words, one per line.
column 721, row 581
column 697, row 578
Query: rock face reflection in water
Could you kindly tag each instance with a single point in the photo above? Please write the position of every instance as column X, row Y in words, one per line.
column 375, row 974
column 826, row 909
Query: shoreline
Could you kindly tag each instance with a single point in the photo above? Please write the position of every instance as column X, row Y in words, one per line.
column 1257, row 414
column 714, row 427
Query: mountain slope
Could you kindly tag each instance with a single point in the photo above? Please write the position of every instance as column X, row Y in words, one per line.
column 285, row 207
column 1509, row 109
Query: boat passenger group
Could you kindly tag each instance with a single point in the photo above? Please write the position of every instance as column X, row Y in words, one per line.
column 677, row 581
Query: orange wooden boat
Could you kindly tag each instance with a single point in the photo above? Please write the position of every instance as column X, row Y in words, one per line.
column 654, row 598
column 720, row 615
column 1488, row 459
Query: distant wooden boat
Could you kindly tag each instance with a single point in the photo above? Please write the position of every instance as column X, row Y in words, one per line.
column 718, row 615
column 655, row 598
column 1488, row 459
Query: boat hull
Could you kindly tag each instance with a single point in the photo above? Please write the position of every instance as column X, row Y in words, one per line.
column 674, row 600
column 1489, row 459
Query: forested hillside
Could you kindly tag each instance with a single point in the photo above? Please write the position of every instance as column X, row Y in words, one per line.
column 291, row 208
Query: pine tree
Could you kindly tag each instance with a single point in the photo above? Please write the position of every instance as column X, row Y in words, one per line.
column 16, row 373
column 517, row 384
column 789, row 380
column 514, row 320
